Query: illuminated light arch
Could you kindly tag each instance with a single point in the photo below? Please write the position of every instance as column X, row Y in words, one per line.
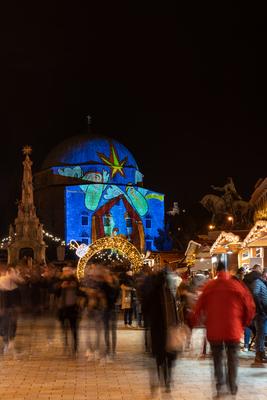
column 117, row 242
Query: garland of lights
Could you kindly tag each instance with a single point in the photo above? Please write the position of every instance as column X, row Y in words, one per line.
column 117, row 242
column 5, row 241
column 224, row 236
column 108, row 255
column 258, row 229
column 54, row 238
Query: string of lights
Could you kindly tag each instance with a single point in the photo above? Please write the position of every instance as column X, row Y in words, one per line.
column 6, row 240
column 54, row 238
column 119, row 243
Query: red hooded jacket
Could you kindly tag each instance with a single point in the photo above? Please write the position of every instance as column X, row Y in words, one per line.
column 226, row 306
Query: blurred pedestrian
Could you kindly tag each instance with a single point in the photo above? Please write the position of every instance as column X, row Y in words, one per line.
column 128, row 295
column 96, row 306
column 49, row 280
column 249, row 330
column 258, row 287
column 111, row 290
column 9, row 307
column 226, row 307
column 161, row 307
column 68, row 292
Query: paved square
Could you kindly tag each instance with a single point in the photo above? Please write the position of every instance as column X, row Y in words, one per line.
column 40, row 370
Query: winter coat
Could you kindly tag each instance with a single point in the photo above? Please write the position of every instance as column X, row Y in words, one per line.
column 68, row 292
column 162, row 313
column 111, row 292
column 227, row 307
column 258, row 288
column 9, row 290
column 126, row 296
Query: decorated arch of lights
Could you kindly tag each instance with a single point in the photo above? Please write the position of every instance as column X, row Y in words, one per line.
column 119, row 243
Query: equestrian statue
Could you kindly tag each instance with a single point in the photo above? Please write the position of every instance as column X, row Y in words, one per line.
column 230, row 203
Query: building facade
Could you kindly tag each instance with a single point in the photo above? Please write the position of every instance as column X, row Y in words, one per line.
column 91, row 187
column 259, row 200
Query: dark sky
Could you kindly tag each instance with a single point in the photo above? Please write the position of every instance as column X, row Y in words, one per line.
column 184, row 88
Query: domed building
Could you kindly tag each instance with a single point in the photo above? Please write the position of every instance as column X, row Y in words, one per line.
column 90, row 187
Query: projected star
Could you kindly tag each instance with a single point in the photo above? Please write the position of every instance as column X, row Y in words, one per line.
column 113, row 161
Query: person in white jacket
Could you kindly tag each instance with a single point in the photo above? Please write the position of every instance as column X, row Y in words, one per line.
column 9, row 302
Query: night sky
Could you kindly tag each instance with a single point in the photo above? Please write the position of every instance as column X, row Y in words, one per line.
column 184, row 88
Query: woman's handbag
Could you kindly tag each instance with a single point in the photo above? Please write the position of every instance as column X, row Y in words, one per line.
column 177, row 337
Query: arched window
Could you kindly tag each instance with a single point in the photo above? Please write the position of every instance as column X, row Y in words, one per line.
column 148, row 221
column 149, row 241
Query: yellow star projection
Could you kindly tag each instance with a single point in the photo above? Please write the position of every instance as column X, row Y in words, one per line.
column 113, row 161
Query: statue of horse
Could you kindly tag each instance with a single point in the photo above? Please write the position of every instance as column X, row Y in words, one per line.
column 217, row 207
column 213, row 204
column 242, row 211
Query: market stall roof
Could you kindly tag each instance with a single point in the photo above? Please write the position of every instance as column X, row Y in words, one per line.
column 227, row 241
column 262, row 242
column 192, row 248
column 197, row 255
column 257, row 236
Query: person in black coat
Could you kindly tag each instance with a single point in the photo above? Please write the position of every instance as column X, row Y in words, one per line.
column 162, row 314
column 68, row 293
column 111, row 290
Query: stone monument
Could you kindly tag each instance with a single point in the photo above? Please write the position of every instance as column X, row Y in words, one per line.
column 227, row 207
column 26, row 240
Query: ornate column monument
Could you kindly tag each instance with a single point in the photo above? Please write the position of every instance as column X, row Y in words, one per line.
column 27, row 237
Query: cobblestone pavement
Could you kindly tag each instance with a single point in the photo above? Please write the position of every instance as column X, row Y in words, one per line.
column 40, row 370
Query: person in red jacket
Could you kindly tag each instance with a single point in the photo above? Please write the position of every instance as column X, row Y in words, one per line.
column 226, row 307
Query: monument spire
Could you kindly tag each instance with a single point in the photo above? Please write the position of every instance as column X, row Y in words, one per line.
column 28, row 234
column 27, row 188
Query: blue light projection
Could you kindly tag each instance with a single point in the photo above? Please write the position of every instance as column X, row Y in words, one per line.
column 111, row 200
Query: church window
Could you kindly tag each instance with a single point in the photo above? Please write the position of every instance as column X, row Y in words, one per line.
column 84, row 218
column 84, row 237
column 148, row 222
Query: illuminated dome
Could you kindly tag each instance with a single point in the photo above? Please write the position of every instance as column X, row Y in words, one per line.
column 90, row 187
column 86, row 149
column 94, row 158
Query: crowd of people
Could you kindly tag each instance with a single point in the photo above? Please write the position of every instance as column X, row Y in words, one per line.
column 232, row 309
